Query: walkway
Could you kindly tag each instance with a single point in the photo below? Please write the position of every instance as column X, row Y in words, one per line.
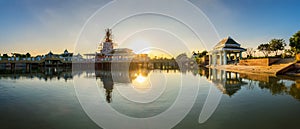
column 276, row 68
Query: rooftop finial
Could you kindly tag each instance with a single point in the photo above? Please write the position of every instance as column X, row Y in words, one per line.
column 108, row 37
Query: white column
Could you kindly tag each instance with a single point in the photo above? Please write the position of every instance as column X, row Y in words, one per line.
column 221, row 58
column 240, row 55
column 214, row 59
column 225, row 58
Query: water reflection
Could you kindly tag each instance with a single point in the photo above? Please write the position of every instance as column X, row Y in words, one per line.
column 295, row 90
column 282, row 85
column 228, row 83
column 109, row 78
column 46, row 74
column 140, row 78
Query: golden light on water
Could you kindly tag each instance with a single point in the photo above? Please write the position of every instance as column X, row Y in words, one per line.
column 141, row 82
column 140, row 79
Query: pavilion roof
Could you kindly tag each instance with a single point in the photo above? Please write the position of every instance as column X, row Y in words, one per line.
column 228, row 44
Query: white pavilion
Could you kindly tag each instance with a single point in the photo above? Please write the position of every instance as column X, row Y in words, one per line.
column 227, row 51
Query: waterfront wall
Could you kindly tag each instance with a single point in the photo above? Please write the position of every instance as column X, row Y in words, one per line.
column 259, row 62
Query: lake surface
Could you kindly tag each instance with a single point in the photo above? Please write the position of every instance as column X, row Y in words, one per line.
column 54, row 98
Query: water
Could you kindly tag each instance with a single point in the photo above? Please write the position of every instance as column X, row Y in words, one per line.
column 57, row 98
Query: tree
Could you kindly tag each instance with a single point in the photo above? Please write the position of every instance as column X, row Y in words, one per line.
column 16, row 55
column 5, row 56
column 288, row 52
column 28, row 55
column 203, row 53
column 276, row 45
column 249, row 52
column 295, row 42
column 265, row 49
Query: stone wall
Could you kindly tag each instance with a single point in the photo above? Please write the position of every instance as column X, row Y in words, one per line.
column 259, row 62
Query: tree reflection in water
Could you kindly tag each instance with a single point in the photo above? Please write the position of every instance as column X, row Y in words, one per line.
column 275, row 85
column 228, row 83
column 295, row 90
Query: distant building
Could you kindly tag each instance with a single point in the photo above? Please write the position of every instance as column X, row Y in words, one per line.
column 109, row 53
column 227, row 51
column 65, row 56
column 50, row 55
column 77, row 58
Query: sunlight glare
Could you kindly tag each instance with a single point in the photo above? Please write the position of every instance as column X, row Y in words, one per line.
column 140, row 79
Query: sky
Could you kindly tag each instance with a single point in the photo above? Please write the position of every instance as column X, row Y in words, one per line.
column 40, row 26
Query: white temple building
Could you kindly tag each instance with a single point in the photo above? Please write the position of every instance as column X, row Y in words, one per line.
column 110, row 54
column 227, row 51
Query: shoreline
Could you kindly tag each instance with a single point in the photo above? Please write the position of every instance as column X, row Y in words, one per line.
column 266, row 70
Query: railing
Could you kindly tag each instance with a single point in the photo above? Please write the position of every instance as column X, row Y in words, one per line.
column 33, row 60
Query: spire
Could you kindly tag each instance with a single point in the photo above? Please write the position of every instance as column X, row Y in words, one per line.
column 108, row 36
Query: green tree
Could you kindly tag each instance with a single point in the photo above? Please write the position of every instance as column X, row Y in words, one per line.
column 203, row 53
column 16, row 55
column 28, row 55
column 265, row 49
column 5, row 56
column 250, row 52
column 295, row 42
column 289, row 52
column 277, row 45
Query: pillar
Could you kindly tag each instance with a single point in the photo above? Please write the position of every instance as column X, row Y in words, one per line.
column 225, row 58
column 209, row 73
column 235, row 56
column 210, row 59
column 214, row 59
column 240, row 55
column 222, row 75
column 28, row 67
column 221, row 58
column 12, row 66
